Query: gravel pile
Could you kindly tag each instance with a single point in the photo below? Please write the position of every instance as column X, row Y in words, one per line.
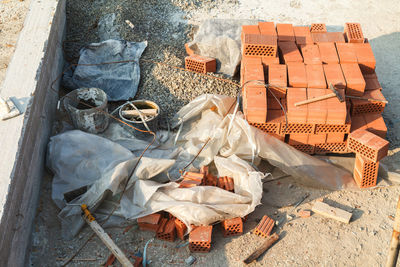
column 163, row 24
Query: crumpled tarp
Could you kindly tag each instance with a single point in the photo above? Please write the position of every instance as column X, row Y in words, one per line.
column 120, row 81
column 232, row 141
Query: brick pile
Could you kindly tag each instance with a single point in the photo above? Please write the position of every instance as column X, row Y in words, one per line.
column 301, row 64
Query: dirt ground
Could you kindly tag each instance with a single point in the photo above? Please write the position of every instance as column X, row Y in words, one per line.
column 167, row 25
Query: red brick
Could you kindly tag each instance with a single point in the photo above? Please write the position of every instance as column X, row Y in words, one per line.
column 273, row 125
column 334, row 75
column 257, row 45
column 232, row 227
column 376, row 124
column 249, row 62
column 267, row 28
column 319, row 37
column 353, row 33
column 167, row 231
column 296, row 114
column 335, row 37
column 150, row 219
column 200, row 239
column 302, row 35
column 285, row 32
column 266, row 61
column 300, row 142
column 363, row 106
column 189, row 50
column 365, row 172
column 371, row 82
column 314, row 139
column 180, row 229
column 200, row 64
column 210, row 180
column 255, row 103
column 335, row 137
column 191, row 179
column 265, row 226
column 311, row 54
column 346, row 53
column 289, row 52
column 315, row 76
column 318, row 27
column 354, row 79
column 334, row 128
column 297, row 76
column 277, row 80
column 277, row 136
column 365, row 57
column 317, row 111
column 328, row 53
column 294, row 128
column 226, row 183
column 274, row 104
column 304, row 213
column 358, row 122
column 249, row 29
column 367, row 144
column 337, row 148
column 337, row 111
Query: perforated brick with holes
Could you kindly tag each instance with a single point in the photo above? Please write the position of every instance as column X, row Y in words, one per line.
column 305, row 148
column 267, row 127
column 200, row 239
column 365, row 172
column 264, row 227
column 200, row 64
column 259, row 45
column 331, row 128
column 167, row 230
column 297, row 128
column 318, row 27
column 232, row 227
column 339, row 148
column 354, row 33
column 367, row 144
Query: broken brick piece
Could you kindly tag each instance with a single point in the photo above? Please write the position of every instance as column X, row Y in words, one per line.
column 353, row 33
column 226, row 183
column 304, row 213
column 354, row 79
column 264, row 228
column 204, row 170
column 200, row 239
column 285, row 32
column 180, row 229
column 365, row 172
column 318, row 27
column 210, row 180
column 232, row 227
column 167, row 230
column 200, row 64
column 367, row 144
column 191, row 179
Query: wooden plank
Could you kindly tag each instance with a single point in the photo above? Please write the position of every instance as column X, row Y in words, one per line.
column 331, row 212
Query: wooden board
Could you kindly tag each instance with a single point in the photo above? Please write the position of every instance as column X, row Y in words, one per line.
column 331, row 212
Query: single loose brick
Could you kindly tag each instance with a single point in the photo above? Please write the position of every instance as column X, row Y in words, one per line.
column 315, row 76
column 264, row 228
column 277, row 80
column 200, row 64
column 365, row 57
column 346, row 53
column 365, row 172
column 317, row 111
column 285, row 32
column 297, row 76
column 318, row 27
column 359, row 106
column 302, row 35
column 376, row 124
column 167, row 231
column 367, row 144
column 200, row 239
column 328, row 53
column 311, row 54
column 180, row 229
column 289, row 52
column 354, row 79
column 353, row 33
column 296, row 114
column 232, row 227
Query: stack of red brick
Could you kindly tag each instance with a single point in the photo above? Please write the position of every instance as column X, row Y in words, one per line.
column 300, row 63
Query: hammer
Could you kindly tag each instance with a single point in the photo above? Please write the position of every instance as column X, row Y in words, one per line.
column 323, row 97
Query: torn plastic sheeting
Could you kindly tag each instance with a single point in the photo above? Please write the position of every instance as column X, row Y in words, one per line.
column 120, row 80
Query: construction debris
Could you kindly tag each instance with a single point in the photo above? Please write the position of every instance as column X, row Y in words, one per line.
column 264, row 227
column 331, row 212
column 265, row 246
column 304, row 213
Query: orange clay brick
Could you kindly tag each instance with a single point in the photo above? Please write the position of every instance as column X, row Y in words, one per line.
column 318, row 27
column 314, row 139
column 353, row 33
column 167, row 232
column 304, row 213
column 367, row 144
column 319, row 37
column 289, row 52
column 257, row 45
column 294, row 128
column 210, row 180
column 274, row 104
column 189, row 50
column 277, row 80
column 255, row 103
column 249, row 62
column 200, row 64
column 200, row 239
column 336, row 110
column 337, row 148
column 249, row 29
column 300, row 142
column 354, row 79
column 335, row 137
column 311, row 54
column 273, row 125
column 315, row 76
column 376, row 124
column 317, row 111
column 296, row 114
column 358, row 122
column 365, row 57
column 150, row 219
column 264, row 228
column 285, row 32
column 334, row 128
column 302, row 35
column 328, row 53
column 335, row 37
column 365, row 172
column 363, row 106
column 346, row 53
column 371, row 82
column 334, row 75
column 253, row 72
column 180, row 229
column 267, row 28
column 232, row 227
column 297, row 76
column 226, row 183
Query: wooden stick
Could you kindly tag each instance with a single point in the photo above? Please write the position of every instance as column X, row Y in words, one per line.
column 135, row 113
column 367, row 99
column 266, row 245
column 394, row 242
column 315, row 99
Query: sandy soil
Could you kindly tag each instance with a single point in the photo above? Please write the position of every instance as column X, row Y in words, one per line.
column 304, row 242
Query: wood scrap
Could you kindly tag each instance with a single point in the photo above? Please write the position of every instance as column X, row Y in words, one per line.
column 136, row 113
column 264, row 247
column 331, row 212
